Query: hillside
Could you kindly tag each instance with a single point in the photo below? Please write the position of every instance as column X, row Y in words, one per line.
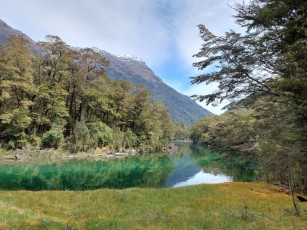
column 181, row 107
column 6, row 31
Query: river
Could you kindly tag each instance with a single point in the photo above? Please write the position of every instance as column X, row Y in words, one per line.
column 189, row 166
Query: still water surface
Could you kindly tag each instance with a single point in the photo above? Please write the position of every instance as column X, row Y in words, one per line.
column 191, row 165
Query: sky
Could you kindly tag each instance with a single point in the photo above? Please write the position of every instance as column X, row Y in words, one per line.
column 163, row 33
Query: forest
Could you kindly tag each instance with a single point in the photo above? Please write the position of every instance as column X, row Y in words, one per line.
column 263, row 73
column 56, row 96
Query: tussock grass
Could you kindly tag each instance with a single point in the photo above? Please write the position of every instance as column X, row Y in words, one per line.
column 220, row 206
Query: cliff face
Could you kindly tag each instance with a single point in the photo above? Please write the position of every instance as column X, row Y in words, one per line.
column 125, row 67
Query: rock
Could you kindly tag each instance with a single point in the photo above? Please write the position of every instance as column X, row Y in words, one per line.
column 169, row 148
column 120, row 154
column 69, row 157
column 110, row 155
column 9, row 157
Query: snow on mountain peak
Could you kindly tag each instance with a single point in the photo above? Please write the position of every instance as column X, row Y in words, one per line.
column 127, row 56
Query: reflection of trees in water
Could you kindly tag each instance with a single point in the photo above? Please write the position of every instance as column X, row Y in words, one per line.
column 184, row 169
column 218, row 163
column 139, row 171
column 144, row 171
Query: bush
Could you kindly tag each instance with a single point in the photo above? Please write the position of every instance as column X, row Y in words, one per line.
column 130, row 139
column 11, row 145
column 80, row 140
column 118, row 138
column 100, row 133
column 35, row 140
column 53, row 137
column 13, row 126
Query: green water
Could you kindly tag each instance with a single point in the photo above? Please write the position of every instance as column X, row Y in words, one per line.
column 191, row 165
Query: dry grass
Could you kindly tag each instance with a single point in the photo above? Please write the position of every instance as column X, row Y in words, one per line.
column 222, row 206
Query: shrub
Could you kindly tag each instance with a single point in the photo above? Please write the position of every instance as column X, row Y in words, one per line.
column 100, row 133
column 80, row 140
column 118, row 138
column 130, row 139
column 53, row 137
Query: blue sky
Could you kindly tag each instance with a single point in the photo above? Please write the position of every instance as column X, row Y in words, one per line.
column 163, row 33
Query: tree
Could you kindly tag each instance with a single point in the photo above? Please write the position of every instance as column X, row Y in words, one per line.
column 88, row 76
column 51, row 76
column 267, row 63
column 269, row 58
column 239, row 67
column 282, row 29
column 16, row 90
column 61, row 95
column 230, row 132
column 81, row 139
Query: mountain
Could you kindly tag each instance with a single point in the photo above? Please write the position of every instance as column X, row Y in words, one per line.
column 6, row 31
column 181, row 108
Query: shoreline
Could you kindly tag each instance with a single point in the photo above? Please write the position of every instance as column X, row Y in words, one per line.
column 34, row 154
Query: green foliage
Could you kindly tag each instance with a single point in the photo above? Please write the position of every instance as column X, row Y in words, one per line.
column 238, row 68
column 16, row 90
column 232, row 132
column 80, row 140
column 269, row 58
column 14, row 126
column 180, row 107
column 268, row 65
column 122, row 140
column 181, row 132
column 264, row 132
column 71, row 85
column 54, row 137
column 100, row 134
column 130, row 139
column 118, row 137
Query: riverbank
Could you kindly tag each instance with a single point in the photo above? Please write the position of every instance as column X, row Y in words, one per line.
column 33, row 154
column 220, row 206
column 52, row 154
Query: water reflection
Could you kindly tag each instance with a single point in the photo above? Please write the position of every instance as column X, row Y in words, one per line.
column 142, row 171
column 187, row 172
column 192, row 165
column 204, row 178
column 220, row 164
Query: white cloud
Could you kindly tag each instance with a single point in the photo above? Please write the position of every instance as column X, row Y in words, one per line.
column 216, row 15
column 148, row 29
column 118, row 26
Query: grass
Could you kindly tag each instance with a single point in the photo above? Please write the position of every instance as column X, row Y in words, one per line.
column 222, row 206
